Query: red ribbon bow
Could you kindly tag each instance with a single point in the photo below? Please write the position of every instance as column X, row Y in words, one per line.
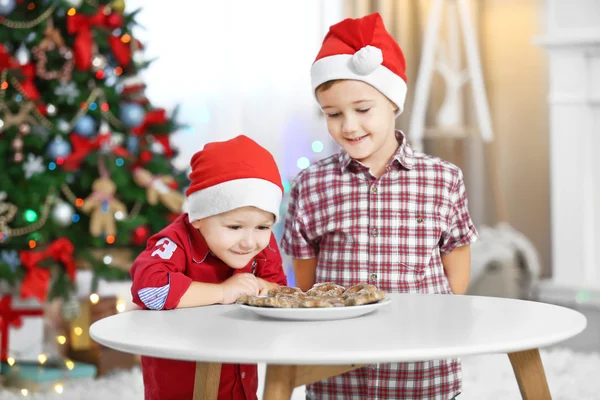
column 81, row 25
column 154, row 117
column 83, row 146
column 28, row 71
column 11, row 316
column 37, row 279
column 6, row 61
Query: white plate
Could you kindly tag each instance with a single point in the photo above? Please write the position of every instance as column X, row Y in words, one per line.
column 316, row 314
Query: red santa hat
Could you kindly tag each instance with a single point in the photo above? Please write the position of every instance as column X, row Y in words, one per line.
column 362, row 49
column 232, row 174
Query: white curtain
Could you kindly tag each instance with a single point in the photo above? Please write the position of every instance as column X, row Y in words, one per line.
column 238, row 67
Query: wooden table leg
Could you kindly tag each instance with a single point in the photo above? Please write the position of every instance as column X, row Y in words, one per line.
column 282, row 379
column 530, row 375
column 206, row 382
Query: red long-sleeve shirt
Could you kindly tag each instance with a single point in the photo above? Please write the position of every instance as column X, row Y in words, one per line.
column 161, row 274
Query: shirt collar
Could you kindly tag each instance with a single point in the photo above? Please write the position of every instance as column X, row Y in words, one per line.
column 198, row 244
column 404, row 154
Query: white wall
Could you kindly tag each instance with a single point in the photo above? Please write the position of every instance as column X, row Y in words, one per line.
column 238, row 66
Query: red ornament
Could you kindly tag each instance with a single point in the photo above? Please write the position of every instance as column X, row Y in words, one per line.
column 114, row 21
column 140, row 235
column 145, row 157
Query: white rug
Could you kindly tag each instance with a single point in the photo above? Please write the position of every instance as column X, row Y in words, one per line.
column 570, row 376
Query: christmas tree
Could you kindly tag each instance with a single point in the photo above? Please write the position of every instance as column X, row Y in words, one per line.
column 85, row 158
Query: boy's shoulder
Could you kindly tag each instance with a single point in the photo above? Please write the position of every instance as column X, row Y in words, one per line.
column 427, row 162
column 176, row 230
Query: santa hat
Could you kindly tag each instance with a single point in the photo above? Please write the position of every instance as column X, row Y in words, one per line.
column 232, row 174
column 362, row 49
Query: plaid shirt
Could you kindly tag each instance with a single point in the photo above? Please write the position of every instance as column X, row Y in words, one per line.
column 389, row 231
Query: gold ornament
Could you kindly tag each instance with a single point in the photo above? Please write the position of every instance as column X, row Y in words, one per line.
column 21, row 120
column 102, row 206
column 118, row 6
column 53, row 41
column 24, row 115
column 7, row 213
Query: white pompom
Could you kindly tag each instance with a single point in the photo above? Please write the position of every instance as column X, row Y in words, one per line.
column 367, row 59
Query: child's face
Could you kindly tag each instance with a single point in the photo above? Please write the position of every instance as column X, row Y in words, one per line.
column 236, row 236
column 360, row 119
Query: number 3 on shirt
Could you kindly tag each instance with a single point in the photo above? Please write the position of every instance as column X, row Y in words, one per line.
column 166, row 248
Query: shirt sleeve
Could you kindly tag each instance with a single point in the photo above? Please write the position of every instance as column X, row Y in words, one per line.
column 461, row 230
column 158, row 279
column 295, row 240
column 273, row 267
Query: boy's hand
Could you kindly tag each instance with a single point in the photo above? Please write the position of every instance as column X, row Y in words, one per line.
column 238, row 285
column 265, row 286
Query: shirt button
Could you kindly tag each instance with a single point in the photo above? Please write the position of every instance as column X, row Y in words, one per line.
column 374, row 232
column 373, row 277
column 419, row 219
column 243, row 375
column 373, row 189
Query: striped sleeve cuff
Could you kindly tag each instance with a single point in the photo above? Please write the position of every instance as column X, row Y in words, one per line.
column 155, row 297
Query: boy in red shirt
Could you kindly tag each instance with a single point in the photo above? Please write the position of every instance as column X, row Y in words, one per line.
column 222, row 248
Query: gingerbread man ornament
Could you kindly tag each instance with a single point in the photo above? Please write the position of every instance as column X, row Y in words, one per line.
column 102, row 206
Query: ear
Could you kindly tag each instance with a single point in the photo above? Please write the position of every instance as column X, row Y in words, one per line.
column 196, row 224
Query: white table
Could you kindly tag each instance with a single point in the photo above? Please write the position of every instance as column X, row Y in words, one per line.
column 412, row 328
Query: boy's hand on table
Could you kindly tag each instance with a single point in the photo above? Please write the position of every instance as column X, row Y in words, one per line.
column 238, row 285
column 265, row 286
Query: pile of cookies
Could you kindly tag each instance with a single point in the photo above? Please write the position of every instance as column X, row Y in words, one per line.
column 319, row 296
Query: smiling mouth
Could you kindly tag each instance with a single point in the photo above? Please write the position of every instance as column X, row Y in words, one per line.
column 356, row 140
column 241, row 254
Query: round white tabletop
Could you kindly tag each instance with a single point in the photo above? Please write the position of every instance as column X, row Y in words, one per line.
column 414, row 327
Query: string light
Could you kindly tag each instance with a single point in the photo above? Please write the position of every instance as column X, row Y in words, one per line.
column 77, row 330
column 58, row 388
column 76, row 218
column 4, row 85
column 42, row 358
column 126, row 38
column 303, row 162
column 121, row 306
column 69, row 364
column 286, row 186
column 24, row 392
column 79, row 202
column 32, row 244
column 30, row 216
column 317, row 146
column 10, row 361
column 71, row 12
column 61, row 339
column 94, row 298
column 110, row 239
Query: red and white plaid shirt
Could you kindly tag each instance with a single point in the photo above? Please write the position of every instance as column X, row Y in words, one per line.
column 389, row 231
